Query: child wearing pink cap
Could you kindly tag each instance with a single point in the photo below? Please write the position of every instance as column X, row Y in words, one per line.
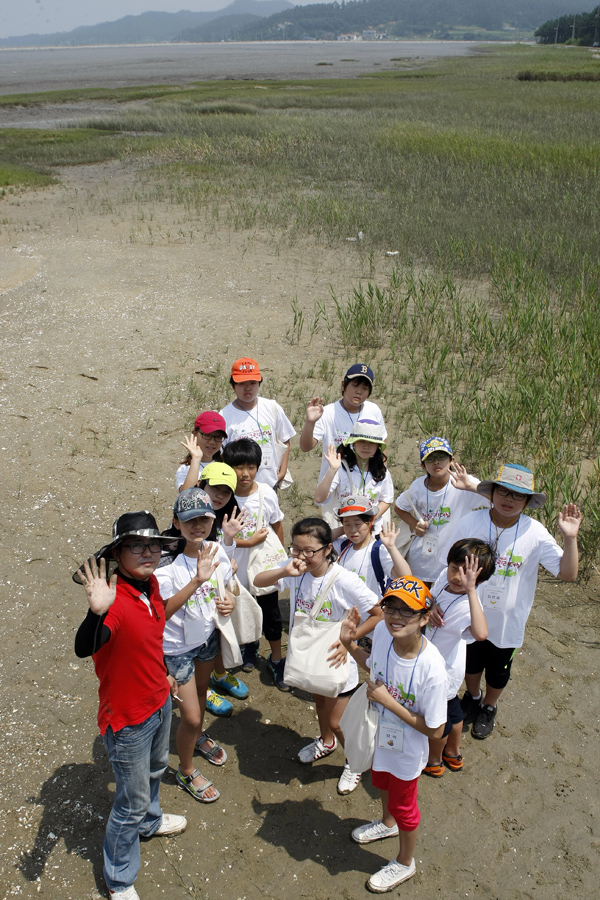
column 203, row 447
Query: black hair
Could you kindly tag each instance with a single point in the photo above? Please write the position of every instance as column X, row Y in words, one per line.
column 482, row 552
column 363, row 516
column 493, row 488
column 317, row 528
column 376, row 466
column 233, row 383
column 360, row 381
column 226, row 510
column 242, row 452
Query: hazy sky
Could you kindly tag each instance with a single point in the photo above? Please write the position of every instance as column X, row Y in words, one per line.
column 45, row 16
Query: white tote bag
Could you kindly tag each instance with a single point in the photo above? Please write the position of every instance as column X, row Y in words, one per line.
column 268, row 555
column 280, row 448
column 247, row 616
column 306, row 664
column 230, row 648
column 359, row 723
column 405, row 535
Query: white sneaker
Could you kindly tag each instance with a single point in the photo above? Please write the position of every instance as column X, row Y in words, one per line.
column 390, row 876
column 170, row 824
column 315, row 750
column 349, row 780
column 373, row 831
column 129, row 893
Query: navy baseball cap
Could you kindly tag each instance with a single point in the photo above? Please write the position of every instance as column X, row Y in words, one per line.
column 359, row 370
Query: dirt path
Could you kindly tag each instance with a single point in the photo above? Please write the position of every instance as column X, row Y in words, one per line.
column 103, row 322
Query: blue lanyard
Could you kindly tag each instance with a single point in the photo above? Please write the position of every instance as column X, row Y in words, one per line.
column 254, row 419
column 316, row 597
column 387, row 664
column 351, row 547
column 440, row 507
column 352, row 421
column 498, row 536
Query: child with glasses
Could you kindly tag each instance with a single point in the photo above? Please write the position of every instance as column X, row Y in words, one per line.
column 310, row 569
column 520, row 545
column 408, row 685
column 433, row 505
column 203, row 447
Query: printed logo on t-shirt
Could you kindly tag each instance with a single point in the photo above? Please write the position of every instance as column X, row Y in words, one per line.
column 249, row 527
column 508, row 565
column 262, row 434
column 439, row 516
column 305, row 604
column 395, row 691
column 205, row 594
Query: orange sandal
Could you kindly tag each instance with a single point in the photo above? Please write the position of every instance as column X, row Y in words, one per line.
column 433, row 770
column 455, row 763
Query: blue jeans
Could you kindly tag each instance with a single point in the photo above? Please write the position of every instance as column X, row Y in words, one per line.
column 139, row 755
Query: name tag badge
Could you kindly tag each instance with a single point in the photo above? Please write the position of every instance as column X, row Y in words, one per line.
column 430, row 542
column 267, row 456
column 492, row 594
column 391, row 735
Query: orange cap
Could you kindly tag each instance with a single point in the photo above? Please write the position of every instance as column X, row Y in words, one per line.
column 411, row 591
column 245, row 369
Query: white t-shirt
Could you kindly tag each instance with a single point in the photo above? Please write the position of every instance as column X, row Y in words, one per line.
column 359, row 562
column 507, row 597
column 443, row 510
column 182, row 471
column 271, row 513
column 336, row 424
column 452, row 639
column 261, row 424
column 344, row 486
column 347, row 591
column 419, row 684
column 193, row 624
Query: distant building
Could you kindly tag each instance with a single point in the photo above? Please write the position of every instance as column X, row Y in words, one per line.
column 369, row 34
column 349, row 37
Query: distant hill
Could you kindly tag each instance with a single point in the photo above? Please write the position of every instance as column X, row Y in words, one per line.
column 147, row 28
column 469, row 19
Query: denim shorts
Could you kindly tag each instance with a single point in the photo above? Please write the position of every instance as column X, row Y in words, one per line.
column 181, row 667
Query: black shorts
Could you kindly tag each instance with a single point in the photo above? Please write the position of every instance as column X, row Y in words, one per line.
column 455, row 715
column 483, row 656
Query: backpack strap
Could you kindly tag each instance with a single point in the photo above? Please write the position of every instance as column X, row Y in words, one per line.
column 376, row 565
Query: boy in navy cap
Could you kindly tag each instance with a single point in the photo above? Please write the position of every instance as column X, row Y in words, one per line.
column 333, row 423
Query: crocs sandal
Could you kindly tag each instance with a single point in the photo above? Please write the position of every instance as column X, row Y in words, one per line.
column 433, row 770
column 453, row 762
column 209, row 753
column 184, row 783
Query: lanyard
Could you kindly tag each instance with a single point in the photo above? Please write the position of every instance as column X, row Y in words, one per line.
column 254, row 419
column 351, row 547
column 440, row 507
column 352, row 421
column 316, row 597
column 494, row 545
column 387, row 664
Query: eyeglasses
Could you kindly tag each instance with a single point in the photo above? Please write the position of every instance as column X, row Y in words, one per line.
column 514, row 495
column 437, row 457
column 399, row 611
column 212, row 437
column 307, row 554
column 138, row 547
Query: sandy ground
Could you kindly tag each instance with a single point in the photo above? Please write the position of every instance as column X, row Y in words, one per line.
column 102, row 326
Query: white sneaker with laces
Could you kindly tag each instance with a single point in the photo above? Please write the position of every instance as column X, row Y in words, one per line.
column 315, row 750
column 349, row 780
column 129, row 893
column 390, row 876
column 373, row 831
column 170, row 824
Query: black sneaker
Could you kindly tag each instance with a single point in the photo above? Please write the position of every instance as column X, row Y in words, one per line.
column 484, row 723
column 470, row 708
column 249, row 654
column 277, row 671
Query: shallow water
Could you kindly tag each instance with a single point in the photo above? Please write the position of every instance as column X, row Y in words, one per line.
column 61, row 68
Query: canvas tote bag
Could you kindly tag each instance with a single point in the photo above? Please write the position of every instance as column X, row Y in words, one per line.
column 359, row 723
column 230, row 648
column 268, row 555
column 247, row 616
column 280, row 448
column 306, row 665
column 405, row 535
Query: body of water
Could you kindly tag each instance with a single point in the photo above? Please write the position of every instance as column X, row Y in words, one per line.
column 63, row 68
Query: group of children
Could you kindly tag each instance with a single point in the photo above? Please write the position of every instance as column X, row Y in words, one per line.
column 452, row 607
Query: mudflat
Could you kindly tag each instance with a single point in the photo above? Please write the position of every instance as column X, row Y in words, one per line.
column 104, row 323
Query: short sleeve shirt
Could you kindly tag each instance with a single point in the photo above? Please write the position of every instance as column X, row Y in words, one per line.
column 344, row 485
column 263, row 424
column 336, row 424
column 360, row 562
column 451, row 639
column 271, row 513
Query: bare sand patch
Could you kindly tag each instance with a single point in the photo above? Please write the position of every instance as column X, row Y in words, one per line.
column 104, row 319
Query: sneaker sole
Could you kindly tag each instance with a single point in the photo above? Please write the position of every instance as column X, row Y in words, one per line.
column 373, row 840
column 385, row 890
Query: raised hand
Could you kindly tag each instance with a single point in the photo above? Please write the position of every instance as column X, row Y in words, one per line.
column 207, row 562
column 388, row 535
column 459, row 477
column 295, row 567
column 191, row 445
column 234, row 523
column 349, row 627
column 569, row 520
column 469, row 573
column 100, row 593
column 314, row 409
column 332, row 457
